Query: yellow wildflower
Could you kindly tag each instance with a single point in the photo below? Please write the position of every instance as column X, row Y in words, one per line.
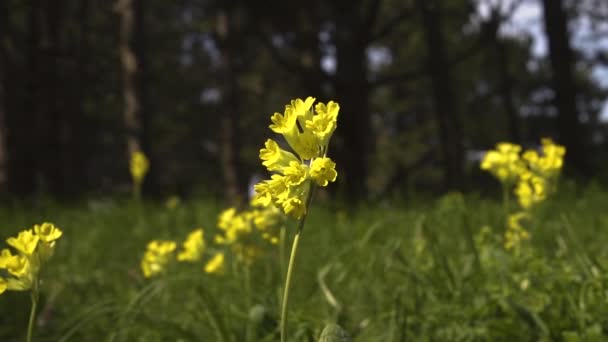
column 308, row 134
column 515, row 231
column 158, row 254
column 18, row 265
column 193, row 247
column 47, row 232
column 25, row 242
column 503, row 162
column 3, row 285
column 275, row 158
column 324, row 123
column 138, row 166
column 295, row 174
column 530, row 190
column 216, row 264
column 323, row 170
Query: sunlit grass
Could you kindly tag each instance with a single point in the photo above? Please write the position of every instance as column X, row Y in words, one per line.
column 384, row 272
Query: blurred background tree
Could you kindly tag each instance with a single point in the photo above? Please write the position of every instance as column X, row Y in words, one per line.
column 424, row 87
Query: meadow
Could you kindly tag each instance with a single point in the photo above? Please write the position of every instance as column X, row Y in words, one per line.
column 427, row 270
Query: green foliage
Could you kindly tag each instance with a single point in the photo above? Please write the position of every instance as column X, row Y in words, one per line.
column 390, row 272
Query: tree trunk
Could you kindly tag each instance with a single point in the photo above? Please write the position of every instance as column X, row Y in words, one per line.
column 54, row 133
column 446, row 109
column 25, row 128
column 229, row 130
column 506, row 90
column 4, row 36
column 132, row 121
column 571, row 131
column 352, row 93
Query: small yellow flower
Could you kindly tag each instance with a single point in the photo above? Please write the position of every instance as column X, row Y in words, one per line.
column 324, row 123
column 323, row 170
column 530, row 190
column 274, row 157
column 294, row 207
column 139, row 166
column 516, row 233
column 295, row 174
column 157, row 256
column 504, row 162
column 193, row 247
column 18, row 265
column 47, row 232
column 5, row 256
column 25, row 242
column 3, row 285
column 216, row 264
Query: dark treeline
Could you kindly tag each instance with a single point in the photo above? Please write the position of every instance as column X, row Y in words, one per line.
column 422, row 86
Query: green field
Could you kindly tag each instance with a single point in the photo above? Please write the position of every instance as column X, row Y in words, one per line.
column 392, row 271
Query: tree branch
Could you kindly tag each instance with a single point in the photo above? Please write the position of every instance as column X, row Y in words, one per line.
column 391, row 24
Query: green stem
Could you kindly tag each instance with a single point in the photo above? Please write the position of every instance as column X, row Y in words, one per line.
column 506, row 199
column 282, row 243
column 248, row 301
column 290, row 267
column 34, row 298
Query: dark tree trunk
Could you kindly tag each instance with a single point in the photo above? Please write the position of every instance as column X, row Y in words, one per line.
column 54, row 131
column 4, row 36
column 506, row 90
column 25, row 128
column 446, row 109
column 571, row 131
column 132, row 120
column 229, row 129
column 352, row 93
column 77, row 129
column 142, row 84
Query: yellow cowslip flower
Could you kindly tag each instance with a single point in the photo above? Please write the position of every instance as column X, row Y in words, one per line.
column 138, row 166
column 504, row 162
column 26, row 242
column 47, row 232
column 5, row 255
column 530, row 190
column 515, row 231
column 275, row 158
column 233, row 226
column 307, row 132
column 324, row 123
column 158, row 254
column 35, row 246
column 295, row 174
column 216, row 264
column 18, row 265
column 193, row 247
column 323, row 170
column 294, row 207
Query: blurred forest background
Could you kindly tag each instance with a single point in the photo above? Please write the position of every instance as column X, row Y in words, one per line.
column 424, row 87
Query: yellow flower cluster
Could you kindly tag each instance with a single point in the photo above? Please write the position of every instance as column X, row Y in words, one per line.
column 157, row 256
column 238, row 228
column 160, row 253
column 533, row 176
column 308, row 134
column 138, row 166
column 515, row 231
column 34, row 247
column 504, row 162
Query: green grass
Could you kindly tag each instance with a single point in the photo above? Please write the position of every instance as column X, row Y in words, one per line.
column 388, row 272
